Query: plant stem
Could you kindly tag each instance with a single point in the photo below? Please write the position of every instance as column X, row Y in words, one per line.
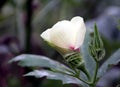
column 95, row 75
column 84, row 81
column 77, row 73
column 85, row 71
column 87, row 74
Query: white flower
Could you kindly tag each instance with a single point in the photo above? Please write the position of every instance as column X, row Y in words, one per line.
column 68, row 35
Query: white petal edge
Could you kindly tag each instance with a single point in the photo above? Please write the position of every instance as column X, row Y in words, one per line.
column 46, row 35
column 76, row 19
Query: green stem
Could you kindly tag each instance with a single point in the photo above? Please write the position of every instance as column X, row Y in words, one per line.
column 95, row 75
column 87, row 74
column 84, row 81
column 77, row 73
column 83, row 69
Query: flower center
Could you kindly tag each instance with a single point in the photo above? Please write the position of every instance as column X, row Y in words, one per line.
column 73, row 49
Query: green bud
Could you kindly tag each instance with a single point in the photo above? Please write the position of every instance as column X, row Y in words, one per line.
column 97, row 39
column 74, row 59
column 96, row 47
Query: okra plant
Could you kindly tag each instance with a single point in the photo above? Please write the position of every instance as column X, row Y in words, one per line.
column 80, row 52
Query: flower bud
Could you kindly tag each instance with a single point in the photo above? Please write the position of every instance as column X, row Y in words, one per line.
column 96, row 47
column 74, row 59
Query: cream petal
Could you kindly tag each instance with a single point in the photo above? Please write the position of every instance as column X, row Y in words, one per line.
column 46, row 35
column 63, row 34
column 77, row 21
column 80, row 37
column 79, row 24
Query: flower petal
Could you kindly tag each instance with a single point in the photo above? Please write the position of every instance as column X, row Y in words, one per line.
column 79, row 24
column 46, row 35
column 63, row 34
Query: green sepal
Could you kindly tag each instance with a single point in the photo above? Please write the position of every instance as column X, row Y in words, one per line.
column 74, row 59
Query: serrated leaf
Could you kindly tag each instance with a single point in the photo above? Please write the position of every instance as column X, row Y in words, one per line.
column 66, row 79
column 29, row 60
column 114, row 59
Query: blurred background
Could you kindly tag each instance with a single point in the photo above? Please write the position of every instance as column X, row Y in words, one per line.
column 22, row 21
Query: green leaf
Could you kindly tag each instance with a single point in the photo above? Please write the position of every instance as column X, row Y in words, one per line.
column 114, row 59
column 89, row 61
column 29, row 60
column 66, row 79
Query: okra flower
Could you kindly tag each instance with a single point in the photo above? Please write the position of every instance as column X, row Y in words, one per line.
column 66, row 35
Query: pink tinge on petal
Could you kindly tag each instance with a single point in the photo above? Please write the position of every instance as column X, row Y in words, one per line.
column 73, row 48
